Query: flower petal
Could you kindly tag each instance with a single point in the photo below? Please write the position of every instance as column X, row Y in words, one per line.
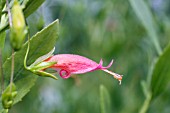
column 68, row 64
column 64, row 74
column 100, row 66
column 74, row 64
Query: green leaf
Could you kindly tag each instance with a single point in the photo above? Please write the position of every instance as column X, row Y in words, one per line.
column 26, row 84
column 40, row 44
column 144, row 14
column 105, row 103
column 31, row 6
column 2, row 3
column 161, row 74
column 2, row 39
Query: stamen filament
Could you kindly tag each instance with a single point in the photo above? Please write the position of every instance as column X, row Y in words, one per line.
column 115, row 75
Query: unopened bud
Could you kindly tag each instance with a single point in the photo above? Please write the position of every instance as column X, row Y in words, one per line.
column 18, row 29
column 8, row 96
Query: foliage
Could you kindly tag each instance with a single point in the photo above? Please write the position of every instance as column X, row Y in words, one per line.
column 135, row 33
column 21, row 75
column 23, row 79
column 161, row 72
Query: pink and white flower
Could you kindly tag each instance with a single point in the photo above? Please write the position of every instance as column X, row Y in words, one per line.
column 68, row 64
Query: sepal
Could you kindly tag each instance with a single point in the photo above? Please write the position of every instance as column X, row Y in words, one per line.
column 39, row 66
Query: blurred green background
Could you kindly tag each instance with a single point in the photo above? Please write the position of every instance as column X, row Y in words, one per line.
column 107, row 29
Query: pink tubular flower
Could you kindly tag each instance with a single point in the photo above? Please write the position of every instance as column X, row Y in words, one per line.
column 68, row 64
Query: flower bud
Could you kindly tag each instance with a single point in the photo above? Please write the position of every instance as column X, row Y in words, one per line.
column 8, row 96
column 18, row 29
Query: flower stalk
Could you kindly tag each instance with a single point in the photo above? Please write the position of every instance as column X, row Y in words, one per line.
column 12, row 64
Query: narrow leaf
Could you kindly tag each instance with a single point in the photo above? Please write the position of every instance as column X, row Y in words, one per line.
column 31, row 6
column 105, row 103
column 161, row 74
column 144, row 14
column 2, row 39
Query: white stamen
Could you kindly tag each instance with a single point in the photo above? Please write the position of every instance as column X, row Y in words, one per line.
column 115, row 75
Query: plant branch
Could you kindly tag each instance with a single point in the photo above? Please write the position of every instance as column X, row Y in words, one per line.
column 13, row 59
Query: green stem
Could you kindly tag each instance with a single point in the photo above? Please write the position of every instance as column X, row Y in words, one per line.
column 146, row 103
column 12, row 70
column 102, row 106
column 26, row 55
column 13, row 57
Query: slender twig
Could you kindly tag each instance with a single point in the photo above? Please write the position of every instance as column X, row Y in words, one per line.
column 9, row 13
column 1, row 72
column 12, row 69
column 13, row 59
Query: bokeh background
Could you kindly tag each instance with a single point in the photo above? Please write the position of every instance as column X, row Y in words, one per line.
column 107, row 29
